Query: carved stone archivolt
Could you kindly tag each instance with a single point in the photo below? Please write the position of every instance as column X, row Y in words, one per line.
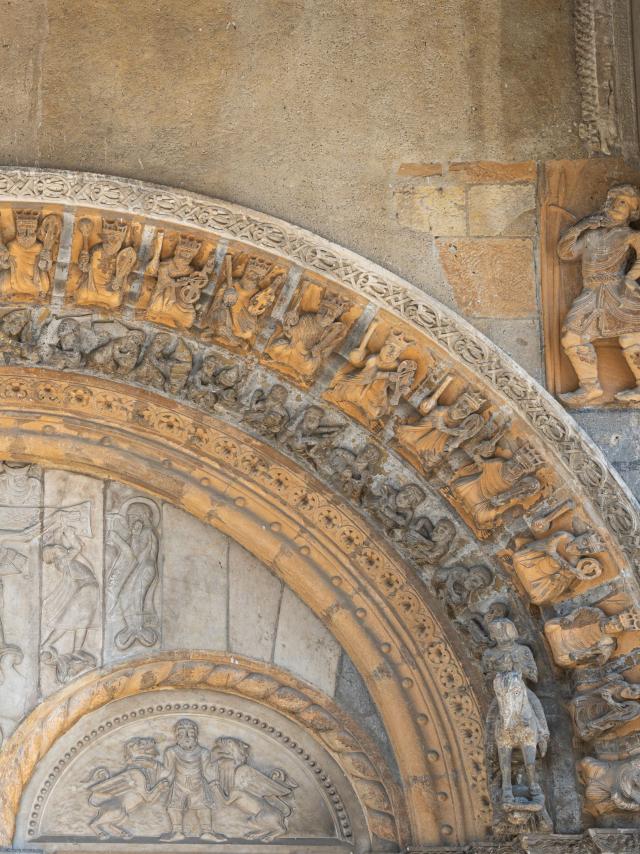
column 316, row 407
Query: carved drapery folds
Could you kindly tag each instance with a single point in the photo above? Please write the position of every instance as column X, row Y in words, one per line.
column 404, row 414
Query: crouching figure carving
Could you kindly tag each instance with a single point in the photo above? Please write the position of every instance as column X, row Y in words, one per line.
column 517, row 714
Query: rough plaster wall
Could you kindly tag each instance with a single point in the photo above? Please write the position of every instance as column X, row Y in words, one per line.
column 300, row 108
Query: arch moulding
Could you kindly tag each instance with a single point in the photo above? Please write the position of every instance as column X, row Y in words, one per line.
column 283, row 390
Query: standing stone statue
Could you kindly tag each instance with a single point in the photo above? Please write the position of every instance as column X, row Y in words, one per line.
column 519, row 717
column 609, row 305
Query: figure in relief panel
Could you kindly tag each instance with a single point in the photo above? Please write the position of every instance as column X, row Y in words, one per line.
column 106, row 266
column 441, row 429
column 309, row 332
column 609, row 304
column 247, row 291
column 611, row 786
column 587, row 635
column 598, row 707
column 166, row 364
column 550, row 567
column 372, row 385
column 179, row 285
column 70, row 609
column 133, row 572
column 27, row 260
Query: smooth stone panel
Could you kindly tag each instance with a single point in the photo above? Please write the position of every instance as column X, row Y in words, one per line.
column 254, row 602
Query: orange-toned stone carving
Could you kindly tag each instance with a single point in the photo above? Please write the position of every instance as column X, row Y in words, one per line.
column 105, row 262
column 311, row 329
column 587, row 635
column 179, row 285
column 612, row 786
column 372, row 384
column 247, row 290
column 28, row 258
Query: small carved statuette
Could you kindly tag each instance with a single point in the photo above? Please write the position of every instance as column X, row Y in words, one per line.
column 587, row 635
column 309, row 332
column 611, row 786
column 266, row 411
column 430, row 546
column 550, row 567
column 441, row 429
column 118, row 356
column 179, row 285
column 609, row 305
column 519, row 719
column 133, row 572
column 106, row 266
column 26, row 262
column 118, row 796
column 247, row 291
column 503, row 481
column 372, row 384
column 461, row 588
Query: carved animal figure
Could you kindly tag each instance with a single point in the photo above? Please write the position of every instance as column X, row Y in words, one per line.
column 259, row 797
column 117, row 796
column 521, row 723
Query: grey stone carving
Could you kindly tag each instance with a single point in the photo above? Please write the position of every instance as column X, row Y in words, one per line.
column 133, row 572
column 266, row 411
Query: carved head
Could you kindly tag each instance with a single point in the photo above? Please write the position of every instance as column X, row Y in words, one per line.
column 229, row 376
column 208, row 369
column 26, row 228
column 186, row 733
column 278, row 395
column 14, row 322
column 113, row 235
column 139, row 516
column 143, row 747
column 394, row 345
column 478, row 578
column 368, row 457
column 588, row 543
column 465, row 405
column 69, row 334
column 312, row 418
column 502, row 630
column 444, row 531
column 186, row 250
column 231, row 749
column 623, row 204
column 409, row 497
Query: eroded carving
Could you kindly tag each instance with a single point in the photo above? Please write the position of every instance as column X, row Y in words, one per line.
column 215, row 383
column 105, row 266
column 611, row 786
column 598, row 708
column 166, row 363
column 587, row 635
column 266, row 411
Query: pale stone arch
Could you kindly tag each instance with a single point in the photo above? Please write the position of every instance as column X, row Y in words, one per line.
column 358, row 576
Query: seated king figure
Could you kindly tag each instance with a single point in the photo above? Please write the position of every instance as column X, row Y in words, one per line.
column 609, row 305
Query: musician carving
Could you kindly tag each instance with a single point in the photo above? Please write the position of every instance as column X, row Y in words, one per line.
column 106, row 266
column 372, row 384
column 26, row 261
column 587, row 635
column 179, row 285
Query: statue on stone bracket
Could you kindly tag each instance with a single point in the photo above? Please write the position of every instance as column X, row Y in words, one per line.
column 609, row 305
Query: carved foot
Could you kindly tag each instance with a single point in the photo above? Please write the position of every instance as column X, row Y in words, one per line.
column 176, row 836
column 210, row 836
column 583, row 395
column 631, row 395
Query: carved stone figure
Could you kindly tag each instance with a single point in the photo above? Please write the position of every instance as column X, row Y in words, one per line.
column 441, row 429
column 312, row 437
column 188, row 767
column 15, row 338
column 307, row 337
column 609, row 305
column 119, row 356
column 503, row 482
column 179, row 285
column 133, row 574
column 165, row 364
column 372, row 384
column 266, row 411
column 105, row 268
column 353, row 472
column 262, row 799
column 12, row 562
column 596, row 709
column 611, row 786
column 429, row 550
column 550, row 567
column 587, row 635
column 117, row 796
column 64, row 343
column 71, row 608
column 27, row 260
column 464, row 591
column 519, row 717
column 214, row 382
column 249, row 288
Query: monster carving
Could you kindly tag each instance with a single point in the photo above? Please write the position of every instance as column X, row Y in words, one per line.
column 609, row 305
column 27, row 260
